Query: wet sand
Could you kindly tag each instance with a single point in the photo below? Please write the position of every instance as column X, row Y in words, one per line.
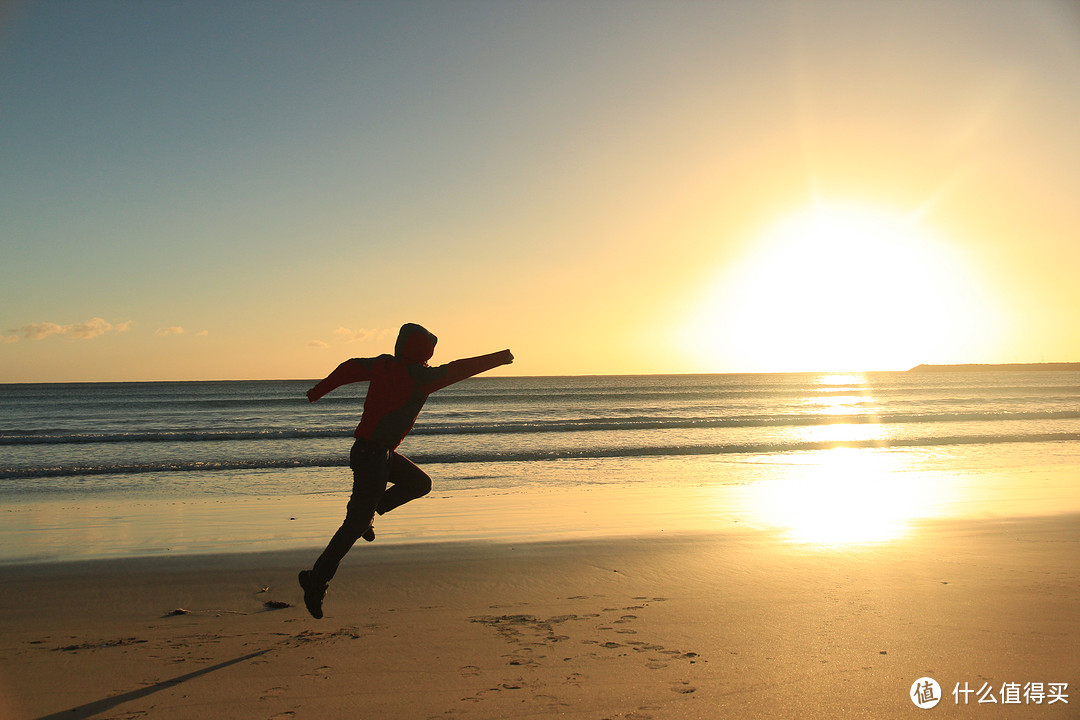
column 741, row 624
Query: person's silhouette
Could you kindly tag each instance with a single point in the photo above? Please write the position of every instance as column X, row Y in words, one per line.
column 399, row 385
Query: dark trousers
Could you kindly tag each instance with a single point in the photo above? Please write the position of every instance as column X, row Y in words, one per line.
column 374, row 467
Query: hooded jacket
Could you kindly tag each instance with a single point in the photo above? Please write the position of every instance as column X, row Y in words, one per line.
column 400, row 383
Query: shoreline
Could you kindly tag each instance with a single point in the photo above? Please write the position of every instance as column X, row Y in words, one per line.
column 1066, row 524
column 841, row 496
column 732, row 624
column 1000, row 367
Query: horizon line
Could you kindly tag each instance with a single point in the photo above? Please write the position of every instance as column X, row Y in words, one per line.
column 926, row 367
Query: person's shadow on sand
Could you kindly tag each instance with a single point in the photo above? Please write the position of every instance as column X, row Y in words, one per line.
column 99, row 706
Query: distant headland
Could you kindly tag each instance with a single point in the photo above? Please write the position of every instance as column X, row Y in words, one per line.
column 1004, row 367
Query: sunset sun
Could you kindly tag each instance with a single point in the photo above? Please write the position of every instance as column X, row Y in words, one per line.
column 840, row 288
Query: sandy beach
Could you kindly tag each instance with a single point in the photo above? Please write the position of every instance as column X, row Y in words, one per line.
column 703, row 625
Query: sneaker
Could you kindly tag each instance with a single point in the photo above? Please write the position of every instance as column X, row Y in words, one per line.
column 314, row 592
column 369, row 534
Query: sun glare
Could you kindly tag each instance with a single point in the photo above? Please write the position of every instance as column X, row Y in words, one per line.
column 845, row 496
column 838, row 288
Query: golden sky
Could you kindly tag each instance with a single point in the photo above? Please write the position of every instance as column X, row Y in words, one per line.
column 219, row 191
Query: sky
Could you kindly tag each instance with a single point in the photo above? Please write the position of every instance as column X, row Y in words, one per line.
column 244, row 190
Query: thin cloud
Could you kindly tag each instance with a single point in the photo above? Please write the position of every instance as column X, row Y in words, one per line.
column 174, row 330
column 350, row 336
column 40, row 331
column 92, row 328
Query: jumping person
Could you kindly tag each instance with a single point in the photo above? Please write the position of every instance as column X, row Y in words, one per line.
column 399, row 385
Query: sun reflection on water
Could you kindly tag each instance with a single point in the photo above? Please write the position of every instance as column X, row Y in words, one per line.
column 839, row 394
column 833, row 379
column 845, row 496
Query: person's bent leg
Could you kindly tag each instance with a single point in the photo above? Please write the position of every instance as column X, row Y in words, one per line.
column 370, row 465
column 346, row 536
column 408, row 483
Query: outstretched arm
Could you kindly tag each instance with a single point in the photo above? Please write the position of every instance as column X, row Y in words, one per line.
column 350, row 371
column 458, row 370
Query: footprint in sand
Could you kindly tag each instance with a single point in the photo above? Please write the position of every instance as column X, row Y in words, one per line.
column 575, row 679
column 524, row 657
column 469, row 671
column 551, row 701
column 683, row 687
column 515, row 684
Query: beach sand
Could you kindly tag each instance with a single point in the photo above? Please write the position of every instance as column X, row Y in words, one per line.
column 738, row 624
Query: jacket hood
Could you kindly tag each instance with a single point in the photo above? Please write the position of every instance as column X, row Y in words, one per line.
column 414, row 344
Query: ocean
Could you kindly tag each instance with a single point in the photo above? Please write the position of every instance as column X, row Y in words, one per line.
column 123, row 445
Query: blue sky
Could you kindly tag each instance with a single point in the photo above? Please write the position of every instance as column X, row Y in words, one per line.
column 244, row 190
